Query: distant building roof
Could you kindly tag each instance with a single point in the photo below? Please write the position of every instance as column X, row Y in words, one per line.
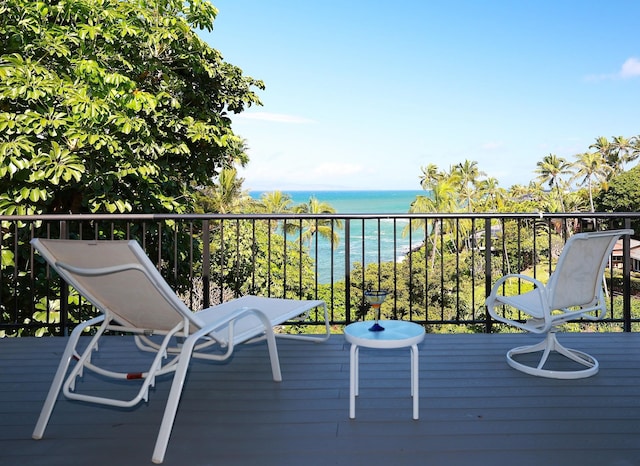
column 634, row 249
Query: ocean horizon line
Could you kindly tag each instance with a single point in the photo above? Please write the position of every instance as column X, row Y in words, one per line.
column 335, row 190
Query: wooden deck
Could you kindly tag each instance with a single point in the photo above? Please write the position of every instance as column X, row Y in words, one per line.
column 474, row 409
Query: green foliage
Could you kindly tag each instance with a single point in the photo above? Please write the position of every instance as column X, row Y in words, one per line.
column 519, row 250
column 623, row 194
column 256, row 260
column 112, row 105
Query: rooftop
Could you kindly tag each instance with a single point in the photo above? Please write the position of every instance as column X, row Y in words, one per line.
column 474, row 408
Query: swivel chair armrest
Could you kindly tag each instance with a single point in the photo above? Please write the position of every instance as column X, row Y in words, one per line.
column 540, row 322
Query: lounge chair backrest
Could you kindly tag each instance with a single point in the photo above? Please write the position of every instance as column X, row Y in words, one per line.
column 577, row 279
column 116, row 276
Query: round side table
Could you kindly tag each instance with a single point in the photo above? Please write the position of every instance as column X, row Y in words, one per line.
column 396, row 334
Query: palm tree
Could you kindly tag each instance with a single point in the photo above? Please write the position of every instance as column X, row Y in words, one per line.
column 592, row 166
column 519, row 192
column 635, row 147
column 311, row 227
column 430, row 175
column 615, row 154
column 442, row 199
column 550, row 169
column 274, row 202
column 626, row 149
column 225, row 196
column 492, row 194
column 468, row 176
column 574, row 202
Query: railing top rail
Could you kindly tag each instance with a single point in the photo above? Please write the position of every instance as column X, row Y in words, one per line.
column 214, row 216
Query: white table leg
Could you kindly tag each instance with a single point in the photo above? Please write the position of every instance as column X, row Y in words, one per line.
column 415, row 391
column 353, row 380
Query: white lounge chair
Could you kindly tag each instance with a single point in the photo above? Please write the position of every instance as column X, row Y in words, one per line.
column 574, row 290
column 121, row 281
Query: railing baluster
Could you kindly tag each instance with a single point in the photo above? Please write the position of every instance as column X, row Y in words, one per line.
column 488, row 280
column 206, row 264
column 626, row 274
column 347, row 269
column 455, row 300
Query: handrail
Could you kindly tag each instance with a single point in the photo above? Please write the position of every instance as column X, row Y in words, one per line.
column 216, row 256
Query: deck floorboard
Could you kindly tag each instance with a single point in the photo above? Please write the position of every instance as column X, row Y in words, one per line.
column 474, row 409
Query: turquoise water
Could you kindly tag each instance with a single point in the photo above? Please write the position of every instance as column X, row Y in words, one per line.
column 378, row 246
column 357, row 202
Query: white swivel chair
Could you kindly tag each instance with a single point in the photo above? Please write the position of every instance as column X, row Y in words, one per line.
column 574, row 291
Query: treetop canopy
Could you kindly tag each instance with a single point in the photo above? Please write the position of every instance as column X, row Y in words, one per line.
column 113, row 105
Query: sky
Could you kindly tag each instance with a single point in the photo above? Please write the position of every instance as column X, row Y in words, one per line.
column 361, row 94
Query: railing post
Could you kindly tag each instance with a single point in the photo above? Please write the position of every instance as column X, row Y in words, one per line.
column 64, row 289
column 206, row 264
column 626, row 277
column 487, row 270
column 347, row 270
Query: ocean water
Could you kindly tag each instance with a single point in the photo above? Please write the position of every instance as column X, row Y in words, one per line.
column 382, row 241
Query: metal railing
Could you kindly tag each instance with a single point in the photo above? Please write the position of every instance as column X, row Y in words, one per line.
column 438, row 268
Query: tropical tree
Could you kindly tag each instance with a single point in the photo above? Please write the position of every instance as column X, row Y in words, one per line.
column 274, row 202
column 442, row 198
column 605, row 149
column 623, row 193
column 550, row 170
column 575, row 201
column 113, row 105
column 468, row 176
column 492, row 196
column 430, row 175
column 226, row 196
column 617, row 153
column 626, row 148
column 308, row 228
column 521, row 198
column 592, row 167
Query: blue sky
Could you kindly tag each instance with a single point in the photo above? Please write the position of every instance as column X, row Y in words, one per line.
column 360, row 94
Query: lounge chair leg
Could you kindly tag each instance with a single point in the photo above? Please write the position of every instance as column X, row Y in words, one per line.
column 58, row 379
column 273, row 355
column 172, row 402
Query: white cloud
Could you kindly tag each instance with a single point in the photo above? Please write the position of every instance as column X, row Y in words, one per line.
column 273, row 117
column 630, row 68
